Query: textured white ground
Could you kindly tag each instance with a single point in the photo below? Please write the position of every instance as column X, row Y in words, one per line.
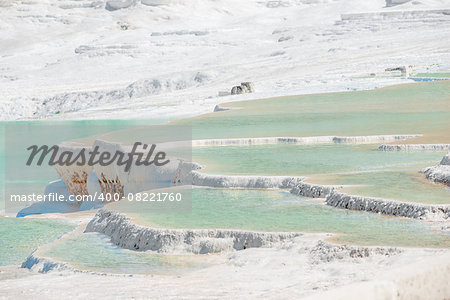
column 75, row 59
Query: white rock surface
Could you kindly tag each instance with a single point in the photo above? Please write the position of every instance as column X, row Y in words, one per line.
column 312, row 190
column 389, row 207
column 441, row 172
column 245, row 181
column 44, row 265
column 423, row 279
column 415, row 147
column 201, row 241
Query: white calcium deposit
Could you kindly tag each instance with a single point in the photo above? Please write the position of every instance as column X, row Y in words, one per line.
column 415, row 147
column 201, row 241
column 245, row 181
column 389, row 207
column 370, row 139
column 441, row 172
column 312, row 190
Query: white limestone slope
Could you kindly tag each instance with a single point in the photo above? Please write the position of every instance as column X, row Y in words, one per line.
column 87, row 59
column 420, row 279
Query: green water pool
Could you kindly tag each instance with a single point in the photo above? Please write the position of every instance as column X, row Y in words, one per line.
column 274, row 210
column 393, row 175
column 288, row 159
column 20, row 237
column 398, row 184
column 406, row 109
column 95, row 252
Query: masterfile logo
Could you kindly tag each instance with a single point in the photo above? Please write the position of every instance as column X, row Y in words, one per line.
column 95, row 156
column 73, row 166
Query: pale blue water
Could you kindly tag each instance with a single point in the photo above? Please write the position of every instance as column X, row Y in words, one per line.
column 392, row 175
column 281, row 211
column 20, row 237
column 94, row 251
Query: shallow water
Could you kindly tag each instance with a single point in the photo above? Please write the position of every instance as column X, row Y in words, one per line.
column 288, row 159
column 392, row 175
column 20, row 237
column 399, row 184
column 95, row 252
column 407, row 109
column 281, row 211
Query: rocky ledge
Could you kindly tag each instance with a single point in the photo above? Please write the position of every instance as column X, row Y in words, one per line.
column 389, row 207
column 128, row 235
column 439, row 173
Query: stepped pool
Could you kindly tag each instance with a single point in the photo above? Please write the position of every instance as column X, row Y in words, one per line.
column 393, row 175
column 407, row 109
column 275, row 210
column 420, row 108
